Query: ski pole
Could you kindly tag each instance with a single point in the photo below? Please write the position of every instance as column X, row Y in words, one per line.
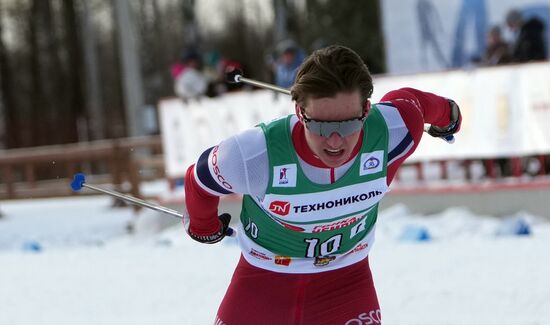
column 235, row 76
column 79, row 181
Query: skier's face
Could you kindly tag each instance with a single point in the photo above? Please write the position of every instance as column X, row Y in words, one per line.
column 333, row 125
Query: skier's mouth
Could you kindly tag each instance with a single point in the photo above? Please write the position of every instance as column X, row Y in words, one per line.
column 334, row 152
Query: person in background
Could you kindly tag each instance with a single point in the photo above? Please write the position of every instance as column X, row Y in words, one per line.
column 311, row 184
column 286, row 65
column 230, row 65
column 215, row 70
column 189, row 81
column 529, row 43
column 498, row 50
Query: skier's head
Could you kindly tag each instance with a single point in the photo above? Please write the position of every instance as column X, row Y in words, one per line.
column 332, row 91
column 331, row 70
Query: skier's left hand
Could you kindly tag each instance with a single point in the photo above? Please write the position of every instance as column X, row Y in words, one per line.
column 446, row 133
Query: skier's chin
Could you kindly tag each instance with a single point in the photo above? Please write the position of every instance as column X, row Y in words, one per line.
column 334, row 158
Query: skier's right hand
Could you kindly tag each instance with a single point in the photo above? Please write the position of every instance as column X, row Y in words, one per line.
column 224, row 230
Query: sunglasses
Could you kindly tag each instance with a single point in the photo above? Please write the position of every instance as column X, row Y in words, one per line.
column 326, row 128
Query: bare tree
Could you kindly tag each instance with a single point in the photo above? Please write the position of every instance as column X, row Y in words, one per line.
column 36, row 130
column 73, row 83
column 7, row 93
column 43, row 68
column 242, row 41
column 94, row 107
column 53, row 94
column 157, row 33
column 356, row 24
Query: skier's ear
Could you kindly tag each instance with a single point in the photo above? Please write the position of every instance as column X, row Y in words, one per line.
column 366, row 108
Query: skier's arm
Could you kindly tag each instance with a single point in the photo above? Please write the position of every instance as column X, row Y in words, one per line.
column 237, row 165
column 434, row 109
column 201, row 206
column 406, row 112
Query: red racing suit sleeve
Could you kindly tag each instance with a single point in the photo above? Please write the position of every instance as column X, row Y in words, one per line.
column 201, row 205
column 415, row 107
column 237, row 165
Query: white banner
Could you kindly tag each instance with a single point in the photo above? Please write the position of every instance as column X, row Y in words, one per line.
column 190, row 128
column 506, row 112
column 435, row 35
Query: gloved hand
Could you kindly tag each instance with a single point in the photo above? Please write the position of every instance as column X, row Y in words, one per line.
column 453, row 127
column 223, row 231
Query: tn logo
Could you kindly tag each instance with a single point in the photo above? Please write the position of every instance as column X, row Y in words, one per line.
column 281, row 208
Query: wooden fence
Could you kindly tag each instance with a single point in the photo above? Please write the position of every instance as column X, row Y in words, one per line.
column 47, row 171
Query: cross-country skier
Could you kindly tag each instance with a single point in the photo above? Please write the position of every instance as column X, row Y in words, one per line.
column 311, row 185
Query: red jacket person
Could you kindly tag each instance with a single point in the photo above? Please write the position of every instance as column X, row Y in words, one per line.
column 311, row 185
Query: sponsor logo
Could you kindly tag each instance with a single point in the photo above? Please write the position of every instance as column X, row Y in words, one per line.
column 335, row 225
column 358, row 248
column 368, row 318
column 335, row 203
column 323, row 260
column 281, row 208
column 216, row 169
column 283, row 260
column 284, row 175
column 259, row 255
column 371, row 162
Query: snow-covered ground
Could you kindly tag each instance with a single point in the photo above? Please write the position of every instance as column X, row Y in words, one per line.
column 70, row 261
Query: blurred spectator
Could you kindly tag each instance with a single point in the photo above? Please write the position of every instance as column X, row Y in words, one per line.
column 212, row 66
column 497, row 51
column 529, row 44
column 230, row 65
column 189, row 81
column 215, row 69
column 290, row 57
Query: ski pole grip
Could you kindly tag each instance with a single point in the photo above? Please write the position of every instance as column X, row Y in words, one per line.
column 78, row 181
column 233, row 75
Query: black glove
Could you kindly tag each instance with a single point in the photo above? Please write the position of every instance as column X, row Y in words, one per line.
column 217, row 236
column 233, row 75
column 452, row 128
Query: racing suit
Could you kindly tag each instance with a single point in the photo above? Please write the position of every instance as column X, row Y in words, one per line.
column 306, row 229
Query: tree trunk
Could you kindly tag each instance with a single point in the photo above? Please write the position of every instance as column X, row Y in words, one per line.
column 11, row 139
column 162, row 55
column 73, row 82
column 61, row 128
column 35, row 128
column 53, row 118
column 93, row 92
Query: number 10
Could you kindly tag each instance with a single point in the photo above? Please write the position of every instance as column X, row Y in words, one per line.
column 328, row 247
